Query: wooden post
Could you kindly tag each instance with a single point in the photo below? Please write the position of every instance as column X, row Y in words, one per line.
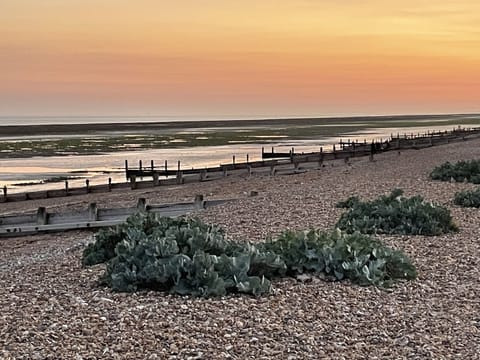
column 247, row 158
column 198, row 203
column 263, row 151
column 272, row 149
column 87, row 185
column 152, row 165
column 179, row 174
column 109, row 184
column 180, row 177
column 5, row 193
column 233, row 160
column 133, row 182
column 156, row 181
column 320, row 158
column 334, row 152
column 126, row 169
column 92, row 212
column 42, row 216
column 140, row 165
column 66, row 187
column 272, row 170
column 142, row 205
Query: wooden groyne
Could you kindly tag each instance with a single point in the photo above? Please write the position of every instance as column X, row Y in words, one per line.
column 93, row 217
column 292, row 160
column 272, row 163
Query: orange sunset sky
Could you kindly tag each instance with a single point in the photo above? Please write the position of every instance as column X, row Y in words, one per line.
column 263, row 58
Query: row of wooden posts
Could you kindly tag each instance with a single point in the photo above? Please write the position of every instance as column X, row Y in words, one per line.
column 346, row 149
column 67, row 189
column 94, row 217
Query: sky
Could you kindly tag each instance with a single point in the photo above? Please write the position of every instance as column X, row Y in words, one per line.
column 225, row 58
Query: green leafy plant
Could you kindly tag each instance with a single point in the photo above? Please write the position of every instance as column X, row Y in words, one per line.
column 461, row 171
column 357, row 257
column 103, row 249
column 349, row 203
column 186, row 256
column 396, row 214
column 468, row 198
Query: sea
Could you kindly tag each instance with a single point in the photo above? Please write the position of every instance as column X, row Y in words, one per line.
column 25, row 174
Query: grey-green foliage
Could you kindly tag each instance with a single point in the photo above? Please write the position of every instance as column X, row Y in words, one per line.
column 103, row 249
column 186, row 256
column 349, row 203
column 395, row 214
column 357, row 257
column 461, row 171
column 468, row 198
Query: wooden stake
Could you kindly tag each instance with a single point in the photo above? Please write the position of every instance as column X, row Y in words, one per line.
column 42, row 216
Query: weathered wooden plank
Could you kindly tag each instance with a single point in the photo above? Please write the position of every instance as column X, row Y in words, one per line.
column 17, row 219
column 33, row 229
column 42, row 221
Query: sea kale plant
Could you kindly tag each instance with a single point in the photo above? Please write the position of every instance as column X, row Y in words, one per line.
column 468, row 198
column 339, row 255
column 468, row 171
column 187, row 257
column 395, row 214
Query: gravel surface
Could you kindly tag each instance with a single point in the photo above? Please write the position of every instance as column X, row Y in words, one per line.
column 52, row 308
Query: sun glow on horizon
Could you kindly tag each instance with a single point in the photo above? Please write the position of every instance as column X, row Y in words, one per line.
column 250, row 58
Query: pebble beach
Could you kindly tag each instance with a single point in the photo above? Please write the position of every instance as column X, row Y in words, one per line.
column 52, row 308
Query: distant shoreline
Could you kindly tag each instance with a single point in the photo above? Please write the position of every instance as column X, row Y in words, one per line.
column 65, row 129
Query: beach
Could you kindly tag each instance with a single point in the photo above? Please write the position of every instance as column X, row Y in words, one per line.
column 53, row 308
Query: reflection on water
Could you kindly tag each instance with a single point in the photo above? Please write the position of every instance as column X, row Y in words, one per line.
column 98, row 168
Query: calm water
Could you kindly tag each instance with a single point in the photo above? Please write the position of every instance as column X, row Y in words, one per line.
column 98, row 168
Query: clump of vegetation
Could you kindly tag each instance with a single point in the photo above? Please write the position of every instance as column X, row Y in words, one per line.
column 356, row 257
column 186, row 256
column 106, row 240
column 461, row 171
column 395, row 214
column 468, row 198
